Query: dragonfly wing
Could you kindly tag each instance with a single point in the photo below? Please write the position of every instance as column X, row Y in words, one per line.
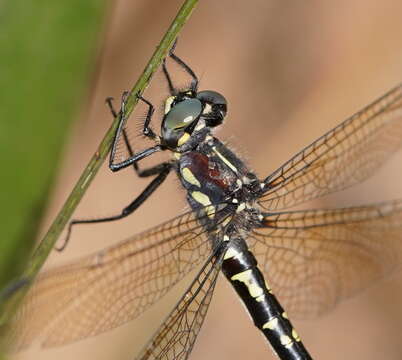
column 175, row 338
column 346, row 155
column 106, row 289
column 315, row 258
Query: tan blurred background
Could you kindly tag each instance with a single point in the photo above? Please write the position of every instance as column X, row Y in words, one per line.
column 290, row 71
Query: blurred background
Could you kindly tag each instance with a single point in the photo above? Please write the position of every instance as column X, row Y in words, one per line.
column 290, row 72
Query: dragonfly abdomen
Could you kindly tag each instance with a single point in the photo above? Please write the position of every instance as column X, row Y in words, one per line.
column 240, row 268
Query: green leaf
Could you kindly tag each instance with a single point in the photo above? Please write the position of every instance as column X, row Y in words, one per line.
column 47, row 49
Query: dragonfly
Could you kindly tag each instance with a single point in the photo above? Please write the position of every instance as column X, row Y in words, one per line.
column 275, row 257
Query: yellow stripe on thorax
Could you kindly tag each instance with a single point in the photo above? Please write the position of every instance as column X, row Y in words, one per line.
column 226, row 161
column 189, row 177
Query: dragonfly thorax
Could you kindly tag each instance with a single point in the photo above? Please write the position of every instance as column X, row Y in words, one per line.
column 212, row 174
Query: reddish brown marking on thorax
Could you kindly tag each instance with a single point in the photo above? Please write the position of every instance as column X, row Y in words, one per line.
column 206, row 170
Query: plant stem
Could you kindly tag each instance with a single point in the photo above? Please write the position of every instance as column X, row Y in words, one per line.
column 46, row 245
column 49, row 240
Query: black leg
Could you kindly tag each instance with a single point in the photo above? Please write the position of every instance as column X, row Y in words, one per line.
column 162, row 170
column 109, row 102
column 130, row 150
column 147, row 131
column 181, row 63
column 194, row 83
column 172, row 89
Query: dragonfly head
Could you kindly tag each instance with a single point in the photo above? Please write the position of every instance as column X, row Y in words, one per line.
column 189, row 112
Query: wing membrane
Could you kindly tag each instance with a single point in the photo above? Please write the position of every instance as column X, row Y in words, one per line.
column 106, row 289
column 344, row 156
column 175, row 338
column 315, row 258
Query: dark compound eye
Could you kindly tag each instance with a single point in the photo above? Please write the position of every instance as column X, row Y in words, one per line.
column 183, row 114
column 215, row 107
column 211, row 97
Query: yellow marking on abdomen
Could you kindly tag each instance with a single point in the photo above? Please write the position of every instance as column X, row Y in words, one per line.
column 295, row 335
column 189, row 177
column 271, row 324
column 286, row 341
column 230, row 253
column 260, row 298
column 245, row 277
column 267, row 286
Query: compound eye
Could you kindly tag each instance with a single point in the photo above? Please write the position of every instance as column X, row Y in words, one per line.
column 212, row 97
column 215, row 106
column 183, row 114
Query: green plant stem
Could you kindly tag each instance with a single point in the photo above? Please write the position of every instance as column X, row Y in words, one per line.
column 46, row 245
column 48, row 242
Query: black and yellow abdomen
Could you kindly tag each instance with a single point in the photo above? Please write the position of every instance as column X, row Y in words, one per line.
column 240, row 268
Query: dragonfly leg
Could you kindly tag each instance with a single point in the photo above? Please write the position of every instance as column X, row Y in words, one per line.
column 130, row 150
column 162, row 170
column 147, row 131
column 183, row 65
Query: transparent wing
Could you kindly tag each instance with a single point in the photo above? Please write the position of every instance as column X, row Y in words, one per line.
column 346, row 155
column 106, row 289
column 315, row 258
column 175, row 338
